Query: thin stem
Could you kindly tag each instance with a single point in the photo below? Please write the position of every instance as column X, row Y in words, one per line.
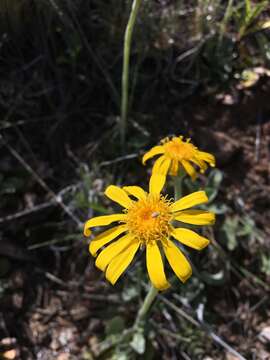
column 224, row 22
column 178, row 185
column 125, row 73
column 150, row 297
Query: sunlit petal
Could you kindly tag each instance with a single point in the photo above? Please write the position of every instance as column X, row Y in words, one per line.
column 189, row 169
column 200, row 163
column 188, row 201
column 119, row 264
column 174, row 168
column 106, row 256
column 156, row 183
column 152, row 152
column 102, row 221
column 118, row 195
column 135, row 191
column 196, row 217
column 207, row 157
column 190, row 238
column 155, row 267
column 161, row 166
column 177, row 261
column 105, row 237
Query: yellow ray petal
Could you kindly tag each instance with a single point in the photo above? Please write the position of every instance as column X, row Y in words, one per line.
column 161, row 166
column 186, row 202
column 199, row 162
column 105, row 237
column 106, row 256
column 174, row 168
column 102, row 221
column 135, row 191
column 152, row 152
column 155, row 267
column 157, row 164
column 190, row 238
column 189, row 169
column 119, row 264
column 207, row 157
column 118, row 195
column 177, row 261
column 165, row 166
column 196, row 217
column 156, row 183
column 202, row 165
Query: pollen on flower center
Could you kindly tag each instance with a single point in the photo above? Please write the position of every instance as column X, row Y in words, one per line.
column 149, row 219
column 178, row 150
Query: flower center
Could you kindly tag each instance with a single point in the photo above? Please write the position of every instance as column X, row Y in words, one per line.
column 149, row 220
column 176, row 149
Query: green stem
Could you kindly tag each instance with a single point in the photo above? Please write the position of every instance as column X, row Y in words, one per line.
column 178, row 186
column 226, row 18
column 125, row 73
column 150, row 297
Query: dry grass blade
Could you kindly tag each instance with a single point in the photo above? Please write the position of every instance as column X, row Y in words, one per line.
column 202, row 326
column 42, row 183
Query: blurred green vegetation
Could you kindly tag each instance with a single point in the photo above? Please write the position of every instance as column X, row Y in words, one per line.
column 63, row 54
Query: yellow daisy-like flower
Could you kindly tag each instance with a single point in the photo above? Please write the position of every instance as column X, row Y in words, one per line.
column 147, row 220
column 176, row 153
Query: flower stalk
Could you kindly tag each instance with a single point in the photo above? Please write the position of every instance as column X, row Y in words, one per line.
column 125, row 73
column 178, row 185
column 150, row 297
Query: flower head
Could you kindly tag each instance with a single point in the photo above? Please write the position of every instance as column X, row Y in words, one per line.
column 176, row 153
column 147, row 221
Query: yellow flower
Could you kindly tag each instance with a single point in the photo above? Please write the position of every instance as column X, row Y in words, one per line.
column 176, row 152
column 147, row 221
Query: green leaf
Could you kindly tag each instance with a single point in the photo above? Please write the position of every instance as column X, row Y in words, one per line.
column 214, row 279
column 213, row 184
column 120, row 356
column 248, row 8
column 218, row 209
column 138, row 343
column 115, row 326
column 257, row 10
column 265, row 267
column 230, row 228
column 129, row 293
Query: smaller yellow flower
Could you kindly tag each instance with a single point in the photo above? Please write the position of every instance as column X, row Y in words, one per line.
column 148, row 221
column 176, row 153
